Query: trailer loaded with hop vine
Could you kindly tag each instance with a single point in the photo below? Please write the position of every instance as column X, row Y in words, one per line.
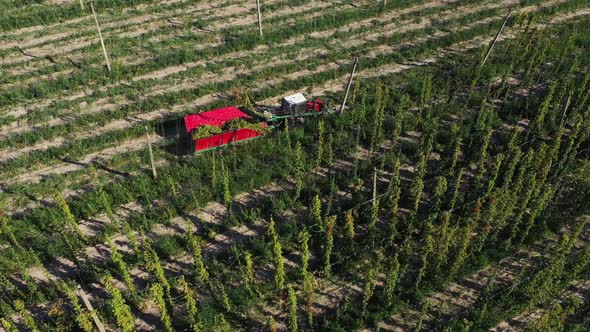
column 225, row 126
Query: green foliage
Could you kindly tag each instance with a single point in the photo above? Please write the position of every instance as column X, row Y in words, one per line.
column 368, row 290
column 277, row 250
column 8, row 326
column 191, row 306
column 292, row 305
column 316, row 213
column 391, row 282
column 69, row 217
column 82, row 316
column 119, row 308
column 249, row 269
column 157, row 294
column 424, row 102
column 320, row 144
column 554, row 318
column 329, row 244
column 350, row 228
column 240, row 123
column 203, row 131
column 202, row 275
column 28, row 319
column 152, row 261
column 117, row 260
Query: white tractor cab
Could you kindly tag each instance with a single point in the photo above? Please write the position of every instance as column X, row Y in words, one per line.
column 295, row 105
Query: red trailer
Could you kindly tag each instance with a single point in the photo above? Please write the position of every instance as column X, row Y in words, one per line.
column 217, row 118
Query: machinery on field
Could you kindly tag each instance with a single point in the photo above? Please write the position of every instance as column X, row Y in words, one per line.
column 296, row 106
column 228, row 125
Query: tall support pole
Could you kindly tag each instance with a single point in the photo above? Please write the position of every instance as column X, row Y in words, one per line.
column 104, row 49
column 565, row 108
column 149, row 143
column 82, row 4
column 88, row 305
column 259, row 17
column 496, row 38
column 356, row 61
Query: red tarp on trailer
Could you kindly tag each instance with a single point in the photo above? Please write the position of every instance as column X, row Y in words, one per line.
column 213, row 118
column 225, row 138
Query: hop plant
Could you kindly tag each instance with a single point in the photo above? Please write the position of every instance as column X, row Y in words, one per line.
column 6, row 230
column 154, row 265
column 227, row 196
column 8, row 326
column 391, row 281
column 28, row 319
column 330, row 222
column 157, row 294
column 120, row 309
column 456, row 189
column 395, row 194
column 82, row 316
column 368, row 291
column 292, row 319
column 249, row 269
column 427, row 249
column 191, row 306
column 349, row 219
column 320, row 144
column 70, row 219
column 316, row 212
column 199, row 263
column 304, row 238
column 117, row 259
column 278, row 256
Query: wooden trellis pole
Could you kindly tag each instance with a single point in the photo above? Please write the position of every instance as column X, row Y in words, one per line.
column 104, row 49
column 149, row 143
column 88, row 305
column 496, row 38
column 565, row 108
column 356, row 61
column 259, row 17
column 82, row 4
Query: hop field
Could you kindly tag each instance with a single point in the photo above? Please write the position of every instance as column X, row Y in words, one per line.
column 450, row 194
